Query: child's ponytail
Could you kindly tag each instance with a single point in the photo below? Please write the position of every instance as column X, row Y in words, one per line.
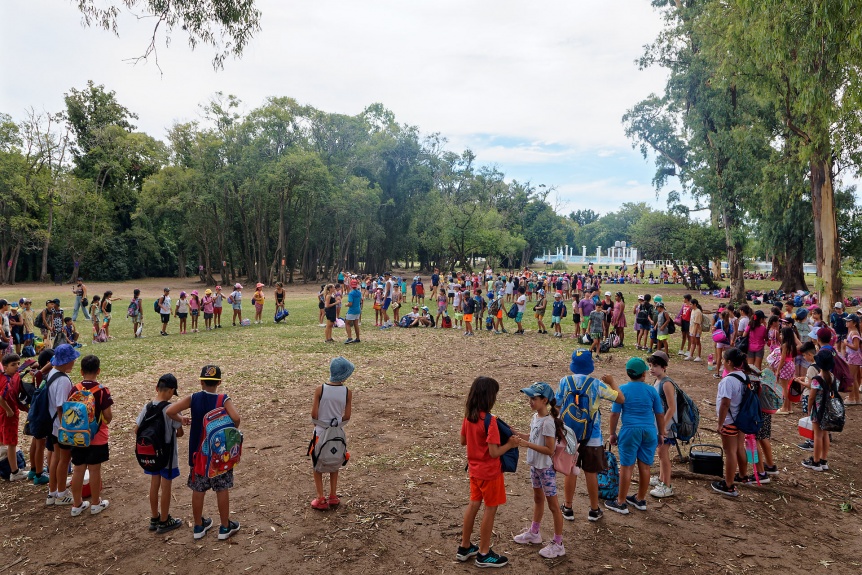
column 558, row 423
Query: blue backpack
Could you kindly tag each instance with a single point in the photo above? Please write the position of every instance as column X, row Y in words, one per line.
column 609, row 480
column 40, row 418
column 749, row 419
column 509, row 460
column 575, row 408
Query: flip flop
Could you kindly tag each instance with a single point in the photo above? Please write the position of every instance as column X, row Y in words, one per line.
column 320, row 504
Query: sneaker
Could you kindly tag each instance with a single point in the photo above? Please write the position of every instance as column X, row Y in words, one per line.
column 823, row 465
column 763, row 478
column 528, row 538
column 169, row 525
column 654, row 481
column 811, row 464
column 639, row 504
column 568, row 513
column 201, row 530
column 687, row 357
column 102, row 505
column 680, row 352
column 78, row 510
column 226, row 532
column 41, row 479
column 620, row 508
column 773, row 470
column 63, row 498
column 806, row 445
column 697, row 360
column 348, row 341
column 357, row 340
column 31, row 475
column 154, row 523
column 552, row 550
column 721, row 487
column 17, row 475
column 465, row 553
column 662, row 490
column 743, row 480
column 491, row 560
column 50, row 500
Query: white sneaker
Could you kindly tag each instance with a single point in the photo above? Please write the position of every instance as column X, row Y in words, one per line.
column 662, row 490
column 680, row 352
column 528, row 538
column 63, row 498
column 654, row 481
column 78, row 510
column 697, row 360
column 552, row 550
column 687, row 357
column 96, row 509
column 50, row 499
column 17, row 475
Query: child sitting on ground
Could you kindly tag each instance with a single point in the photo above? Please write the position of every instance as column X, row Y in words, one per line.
column 332, row 400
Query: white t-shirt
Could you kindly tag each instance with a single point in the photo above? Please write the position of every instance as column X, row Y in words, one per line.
column 743, row 324
column 732, row 388
column 522, row 303
column 165, row 305
column 456, row 301
column 171, row 428
column 540, row 427
column 58, row 393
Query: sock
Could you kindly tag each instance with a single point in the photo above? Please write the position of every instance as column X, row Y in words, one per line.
column 558, row 538
column 534, row 528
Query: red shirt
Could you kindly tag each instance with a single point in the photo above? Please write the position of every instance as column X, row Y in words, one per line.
column 9, row 389
column 686, row 312
column 479, row 460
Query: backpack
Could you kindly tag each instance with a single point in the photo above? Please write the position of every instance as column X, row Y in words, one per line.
column 841, row 371
column 509, row 460
column 405, row 321
column 132, row 310
column 687, row 413
column 28, row 351
column 771, row 394
column 575, row 407
column 78, row 422
column 40, row 419
column 705, row 324
column 513, row 312
column 643, row 314
column 156, row 307
column 566, row 453
column 447, row 322
column 831, row 413
column 221, row 443
column 797, row 301
column 5, row 470
column 671, row 326
column 152, row 451
column 606, row 344
column 609, row 479
column 564, row 312
column 101, row 336
column 39, row 322
column 281, row 315
column 495, row 306
column 749, row 419
column 489, row 323
column 742, row 343
column 840, row 324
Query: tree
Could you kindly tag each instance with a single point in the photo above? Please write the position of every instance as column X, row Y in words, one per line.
column 583, row 217
column 226, row 25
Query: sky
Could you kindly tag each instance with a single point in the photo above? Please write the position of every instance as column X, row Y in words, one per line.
column 537, row 89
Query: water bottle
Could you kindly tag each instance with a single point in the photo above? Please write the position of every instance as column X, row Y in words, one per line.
column 710, row 365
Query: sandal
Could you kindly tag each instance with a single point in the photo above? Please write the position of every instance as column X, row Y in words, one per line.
column 334, row 500
column 320, row 504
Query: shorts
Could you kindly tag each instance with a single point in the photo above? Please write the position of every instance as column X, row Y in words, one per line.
column 106, row 320
column 54, row 442
column 576, row 318
column 755, row 354
column 596, row 336
column 500, row 314
column 195, row 312
column 459, row 316
column 201, row 484
column 662, row 337
column 468, row 317
column 490, row 491
column 591, row 459
column 386, row 303
column 546, row 479
column 93, row 455
column 169, row 474
column 637, row 444
column 182, row 315
column 166, row 317
column 728, row 430
column 258, row 307
column 765, row 431
column 29, row 337
column 351, row 317
column 237, row 306
column 539, row 315
column 441, row 309
column 685, row 326
column 842, row 337
column 519, row 317
column 585, row 323
column 217, row 311
column 208, row 315
column 641, row 326
column 555, row 319
column 669, row 441
column 9, row 431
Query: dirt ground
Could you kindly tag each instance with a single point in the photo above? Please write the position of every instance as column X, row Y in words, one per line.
column 405, row 488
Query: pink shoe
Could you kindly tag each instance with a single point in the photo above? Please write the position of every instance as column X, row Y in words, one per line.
column 320, row 504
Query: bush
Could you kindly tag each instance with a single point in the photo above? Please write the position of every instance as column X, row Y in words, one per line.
column 560, row 265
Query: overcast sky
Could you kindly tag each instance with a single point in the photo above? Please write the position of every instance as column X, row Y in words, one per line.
column 535, row 88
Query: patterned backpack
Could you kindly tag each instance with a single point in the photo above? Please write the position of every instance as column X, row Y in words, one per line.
column 78, row 422
column 221, row 443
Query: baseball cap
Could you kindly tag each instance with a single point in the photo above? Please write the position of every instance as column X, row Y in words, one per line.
column 354, row 283
column 556, row 295
column 64, row 354
column 658, row 355
column 824, row 333
column 168, row 381
column 210, row 373
column 582, row 362
column 838, row 305
column 539, row 389
column 636, row 367
column 167, row 289
column 657, row 298
column 659, row 304
column 237, row 286
column 607, row 293
column 259, row 285
column 640, row 298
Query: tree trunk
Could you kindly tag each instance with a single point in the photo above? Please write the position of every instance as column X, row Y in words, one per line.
column 43, row 275
column 826, row 232
column 181, row 264
column 734, row 262
column 792, row 272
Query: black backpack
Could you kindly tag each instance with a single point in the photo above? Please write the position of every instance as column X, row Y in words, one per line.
column 39, row 322
column 152, row 451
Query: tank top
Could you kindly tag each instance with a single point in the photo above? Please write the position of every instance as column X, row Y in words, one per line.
column 333, row 401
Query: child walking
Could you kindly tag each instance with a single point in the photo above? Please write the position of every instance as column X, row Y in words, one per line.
column 160, row 518
column 332, row 400
column 546, row 428
column 201, row 403
column 486, row 474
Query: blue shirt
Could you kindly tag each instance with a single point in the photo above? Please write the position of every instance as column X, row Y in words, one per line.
column 558, row 308
column 354, row 302
column 641, row 406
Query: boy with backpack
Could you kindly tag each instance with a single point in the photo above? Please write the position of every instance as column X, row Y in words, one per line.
column 9, row 413
column 838, row 321
column 58, row 386
column 203, row 475
column 92, row 456
column 158, row 432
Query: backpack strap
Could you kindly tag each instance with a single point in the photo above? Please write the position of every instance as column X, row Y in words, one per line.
column 220, row 400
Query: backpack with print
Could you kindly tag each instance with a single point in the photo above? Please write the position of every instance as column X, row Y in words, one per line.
column 705, row 324
column 609, row 479
column 687, row 413
column 78, row 422
column 152, row 451
column 841, row 371
column 830, row 415
column 220, row 448
column 509, row 460
column 329, row 451
column 101, row 336
column 575, row 407
column 749, row 418
column 771, row 394
column 495, row 306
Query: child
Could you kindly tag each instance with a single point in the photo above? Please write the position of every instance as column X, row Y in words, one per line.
column 95, row 314
column 107, row 301
column 70, row 332
column 60, row 386
column 91, row 458
column 165, row 310
column 279, row 296
column 486, row 475
column 16, row 327
column 332, row 400
column 28, row 315
column 37, row 446
column 521, row 302
column 258, row 298
column 160, row 518
column 596, row 329
column 821, row 386
column 442, row 305
column 479, row 312
column 201, row 403
column 664, row 385
column 137, row 314
column 378, row 308
column 11, row 386
column 576, row 316
column 218, row 300
column 235, row 300
column 545, row 429
column 786, row 367
column 208, row 307
column 557, row 314
column 540, row 308
column 194, row 309
column 321, row 304
column 182, row 311
column 456, row 305
column 468, row 306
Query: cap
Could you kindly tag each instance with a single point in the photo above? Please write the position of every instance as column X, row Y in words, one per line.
column 340, row 369
column 824, row 333
column 557, row 294
column 258, row 285
column 218, row 288
column 582, row 362
column 387, row 274
column 182, row 293
column 237, row 286
column 167, row 289
column 659, row 304
column 56, row 301
column 208, row 292
column 541, row 292
column 657, row 298
column 539, row 389
column 636, row 367
column 210, row 373
column 49, row 301
column 168, row 381
column 824, row 360
column 659, row 355
column 64, row 354
column 640, row 298
column 607, row 293
column 354, row 283
column 838, row 305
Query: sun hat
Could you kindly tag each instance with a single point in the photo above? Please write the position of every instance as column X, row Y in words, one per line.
column 259, row 285
column 210, row 373
column 636, row 367
column 182, row 293
column 237, row 286
column 64, row 354
column 582, row 362
column 194, row 292
column 340, row 369
column 208, row 292
column 656, row 298
column 539, row 389
column 168, row 381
